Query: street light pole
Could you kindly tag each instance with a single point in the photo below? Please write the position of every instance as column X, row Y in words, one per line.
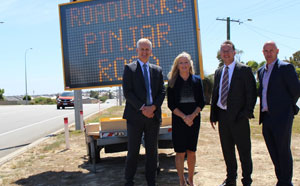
column 26, row 96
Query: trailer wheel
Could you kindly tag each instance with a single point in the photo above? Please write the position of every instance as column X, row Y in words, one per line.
column 94, row 153
column 96, row 150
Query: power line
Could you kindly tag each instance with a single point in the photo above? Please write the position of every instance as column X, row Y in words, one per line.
column 291, row 37
column 265, row 8
column 268, row 38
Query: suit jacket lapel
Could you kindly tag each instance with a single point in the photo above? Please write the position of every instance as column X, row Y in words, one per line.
column 260, row 79
column 261, row 74
column 151, row 78
column 218, row 78
column 234, row 76
column 273, row 73
column 140, row 74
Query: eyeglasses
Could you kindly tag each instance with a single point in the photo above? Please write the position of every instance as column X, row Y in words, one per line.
column 226, row 51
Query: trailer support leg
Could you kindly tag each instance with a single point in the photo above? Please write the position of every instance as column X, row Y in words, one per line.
column 93, row 154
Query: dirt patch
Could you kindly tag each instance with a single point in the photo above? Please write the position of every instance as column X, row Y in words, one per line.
column 57, row 166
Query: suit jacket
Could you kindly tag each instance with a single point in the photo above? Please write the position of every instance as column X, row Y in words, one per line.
column 135, row 92
column 174, row 93
column 242, row 93
column 283, row 91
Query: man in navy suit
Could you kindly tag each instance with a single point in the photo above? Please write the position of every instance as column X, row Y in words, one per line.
column 278, row 91
column 233, row 100
column 144, row 90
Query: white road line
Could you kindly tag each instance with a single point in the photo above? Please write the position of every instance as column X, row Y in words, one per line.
column 37, row 123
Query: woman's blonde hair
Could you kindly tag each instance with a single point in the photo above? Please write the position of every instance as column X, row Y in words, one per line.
column 173, row 74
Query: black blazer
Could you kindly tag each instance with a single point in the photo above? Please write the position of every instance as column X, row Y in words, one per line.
column 174, row 93
column 135, row 92
column 283, row 91
column 242, row 93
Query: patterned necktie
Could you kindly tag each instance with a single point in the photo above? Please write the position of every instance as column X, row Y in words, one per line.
column 147, row 83
column 225, row 87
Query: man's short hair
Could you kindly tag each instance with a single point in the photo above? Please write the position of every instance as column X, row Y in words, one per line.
column 228, row 42
column 142, row 40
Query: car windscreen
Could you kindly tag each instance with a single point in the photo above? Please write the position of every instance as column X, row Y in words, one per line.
column 67, row 94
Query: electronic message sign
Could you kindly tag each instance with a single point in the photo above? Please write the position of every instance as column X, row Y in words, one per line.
column 99, row 37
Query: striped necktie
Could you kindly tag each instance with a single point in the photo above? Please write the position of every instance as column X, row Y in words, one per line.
column 225, row 87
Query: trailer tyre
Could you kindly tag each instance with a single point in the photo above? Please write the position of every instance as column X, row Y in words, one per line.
column 97, row 150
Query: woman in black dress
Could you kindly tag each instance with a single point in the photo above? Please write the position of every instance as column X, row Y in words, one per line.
column 185, row 100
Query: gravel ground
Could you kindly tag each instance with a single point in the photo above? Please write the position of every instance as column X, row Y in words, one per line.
column 42, row 165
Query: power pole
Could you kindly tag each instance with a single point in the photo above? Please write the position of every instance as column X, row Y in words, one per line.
column 77, row 104
column 228, row 20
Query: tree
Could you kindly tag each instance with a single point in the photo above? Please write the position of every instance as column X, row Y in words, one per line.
column 253, row 65
column 1, row 94
column 110, row 96
column 296, row 56
column 298, row 72
column 295, row 59
column 208, row 83
column 94, row 94
column 103, row 98
column 261, row 64
column 29, row 98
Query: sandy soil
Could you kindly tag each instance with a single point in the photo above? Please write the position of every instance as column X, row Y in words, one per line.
column 40, row 167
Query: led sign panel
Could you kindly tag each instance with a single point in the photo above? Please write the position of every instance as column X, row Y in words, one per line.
column 99, row 37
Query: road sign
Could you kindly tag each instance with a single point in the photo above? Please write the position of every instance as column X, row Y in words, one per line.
column 99, row 37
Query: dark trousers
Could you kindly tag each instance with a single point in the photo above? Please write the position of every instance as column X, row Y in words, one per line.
column 277, row 136
column 236, row 133
column 135, row 129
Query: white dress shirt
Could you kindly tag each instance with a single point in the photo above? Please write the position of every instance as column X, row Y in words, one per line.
column 265, row 82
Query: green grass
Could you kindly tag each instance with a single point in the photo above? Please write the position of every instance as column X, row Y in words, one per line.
column 296, row 125
column 60, row 139
column 115, row 111
column 75, row 132
column 256, row 129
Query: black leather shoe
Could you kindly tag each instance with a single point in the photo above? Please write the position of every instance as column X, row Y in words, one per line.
column 228, row 183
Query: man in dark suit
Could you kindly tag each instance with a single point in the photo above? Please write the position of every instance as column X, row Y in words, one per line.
column 144, row 90
column 233, row 100
column 279, row 90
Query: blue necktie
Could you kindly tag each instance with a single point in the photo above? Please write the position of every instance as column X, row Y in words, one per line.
column 147, row 84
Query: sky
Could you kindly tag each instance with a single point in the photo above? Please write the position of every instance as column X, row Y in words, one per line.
column 35, row 24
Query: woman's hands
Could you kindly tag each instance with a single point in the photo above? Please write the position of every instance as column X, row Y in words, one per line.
column 188, row 119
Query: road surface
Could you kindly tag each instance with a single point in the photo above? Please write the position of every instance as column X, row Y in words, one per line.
column 21, row 125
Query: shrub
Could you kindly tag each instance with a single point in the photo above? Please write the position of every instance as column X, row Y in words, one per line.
column 44, row 101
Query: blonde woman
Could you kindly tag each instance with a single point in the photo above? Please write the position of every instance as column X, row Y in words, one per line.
column 185, row 100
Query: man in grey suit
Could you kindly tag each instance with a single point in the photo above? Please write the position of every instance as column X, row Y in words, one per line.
column 233, row 100
column 144, row 90
column 279, row 90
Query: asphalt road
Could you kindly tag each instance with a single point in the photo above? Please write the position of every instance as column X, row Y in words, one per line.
column 21, row 125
